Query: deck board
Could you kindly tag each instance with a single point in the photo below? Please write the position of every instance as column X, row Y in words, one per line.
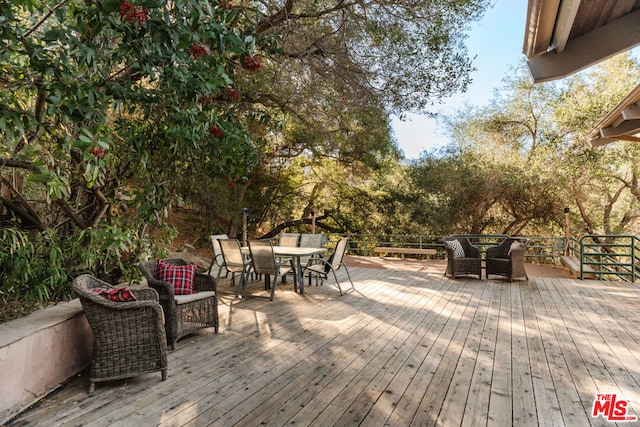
column 404, row 348
column 547, row 406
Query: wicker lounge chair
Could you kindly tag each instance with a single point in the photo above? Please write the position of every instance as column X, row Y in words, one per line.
column 184, row 314
column 469, row 263
column 503, row 260
column 128, row 337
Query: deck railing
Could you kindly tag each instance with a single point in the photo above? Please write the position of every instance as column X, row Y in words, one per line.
column 364, row 244
column 541, row 248
column 614, row 257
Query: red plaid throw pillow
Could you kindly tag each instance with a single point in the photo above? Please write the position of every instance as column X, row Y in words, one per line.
column 115, row 294
column 180, row 276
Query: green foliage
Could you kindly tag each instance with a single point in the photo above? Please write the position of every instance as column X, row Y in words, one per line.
column 101, row 93
column 38, row 268
column 466, row 192
column 114, row 112
column 106, row 109
column 516, row 162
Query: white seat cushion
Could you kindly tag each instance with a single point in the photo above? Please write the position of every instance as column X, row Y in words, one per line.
column 184, row 299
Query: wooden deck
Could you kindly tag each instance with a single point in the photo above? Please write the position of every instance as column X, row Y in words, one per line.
column 406, row 348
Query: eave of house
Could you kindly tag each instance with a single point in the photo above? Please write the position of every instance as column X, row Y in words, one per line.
column 564, row 37
column 621, row 123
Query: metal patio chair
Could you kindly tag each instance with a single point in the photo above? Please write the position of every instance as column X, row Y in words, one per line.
column 320, row 268
column 263, row 261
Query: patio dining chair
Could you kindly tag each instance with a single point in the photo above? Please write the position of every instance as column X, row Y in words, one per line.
column 289, row 239
column 235, row 262
column 128, row 330
column 218, row 258
column 311, row 241
column 320, row 268
column 263, row 262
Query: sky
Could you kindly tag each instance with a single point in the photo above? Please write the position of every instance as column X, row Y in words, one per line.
column 496, row 43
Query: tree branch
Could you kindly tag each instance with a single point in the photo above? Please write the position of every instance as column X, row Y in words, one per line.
column 104, row 206
column 284, row 14
column 22, row 213
column 44, row 18
column 19, row 164
column 287, row 224
column 71, row 214
column 23, row 209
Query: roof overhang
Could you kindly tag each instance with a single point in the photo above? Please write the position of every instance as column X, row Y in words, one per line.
column 564, row 37
column 622, row 123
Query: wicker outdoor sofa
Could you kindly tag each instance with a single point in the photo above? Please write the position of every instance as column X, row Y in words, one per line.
column 184, row 314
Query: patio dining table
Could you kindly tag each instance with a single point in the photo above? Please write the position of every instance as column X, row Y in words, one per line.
column 295, row 252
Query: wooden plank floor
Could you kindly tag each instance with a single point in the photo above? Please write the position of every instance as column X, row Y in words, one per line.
column 404, row 348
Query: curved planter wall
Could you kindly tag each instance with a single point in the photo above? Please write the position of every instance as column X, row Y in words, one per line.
column 39, row 352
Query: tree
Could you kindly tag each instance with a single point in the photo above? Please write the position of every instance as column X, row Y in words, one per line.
column 113, row 111
column 334, row 182
column 495, row 176
column 600, row 181
column 339, row 67
column 99, row 92
column 410, row 54
column 104, row 106
column 516, row 162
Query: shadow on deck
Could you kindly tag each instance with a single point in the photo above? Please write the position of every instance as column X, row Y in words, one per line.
column 408, row 347
column 438, row 266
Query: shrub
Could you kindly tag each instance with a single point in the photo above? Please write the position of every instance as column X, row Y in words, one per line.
column 37, row 270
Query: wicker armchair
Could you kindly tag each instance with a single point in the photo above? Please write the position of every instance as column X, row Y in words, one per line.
column 184, row 314
column 503, row 260
column 470, row 263
column 128, row 337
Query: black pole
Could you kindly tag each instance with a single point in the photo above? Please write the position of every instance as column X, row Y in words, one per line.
column 245, row 226
column 566, row 231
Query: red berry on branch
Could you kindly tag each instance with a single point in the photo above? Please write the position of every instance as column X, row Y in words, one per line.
column 198, row 50
column 205, row 99
column 97, row 151
column 216, row 131
column 225, row 5
column 125, row 7
column 231, row 93
column 251, row 63
column 133, row 14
